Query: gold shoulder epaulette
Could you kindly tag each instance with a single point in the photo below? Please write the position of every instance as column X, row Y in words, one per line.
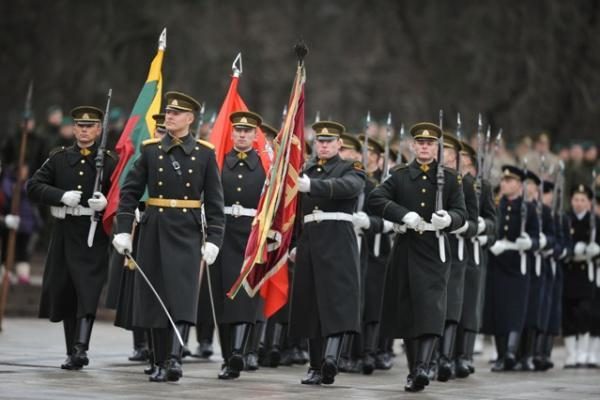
column 399, row 167
column 151, row 141
column 206, row 144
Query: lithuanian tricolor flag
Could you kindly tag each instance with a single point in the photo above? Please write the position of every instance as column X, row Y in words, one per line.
column 139, row 127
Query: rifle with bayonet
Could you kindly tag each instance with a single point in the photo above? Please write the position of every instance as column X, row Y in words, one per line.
column 539, row 210
column 97, row 216
column 478, row 183
column 365, row 159
column 459, row 237
column 522, row 253
column 200, row 120
column 440, row 179
column 384, row 174
column 15, row 204
column 590, row 260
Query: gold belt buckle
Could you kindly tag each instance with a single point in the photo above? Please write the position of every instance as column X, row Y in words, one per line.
column 173, row 203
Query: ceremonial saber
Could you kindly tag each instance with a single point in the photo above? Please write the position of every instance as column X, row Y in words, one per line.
column 207, row 269
column 139, row 269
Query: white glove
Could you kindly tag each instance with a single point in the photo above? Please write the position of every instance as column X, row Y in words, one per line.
column 563, row 254
column 399, row 228
column 480, row 225
column 292, row 255
column 388, row 226
column 412, row 219
column 482, row 239
column 592, row 250
column 97, row 202
column 441, row 220
column 12, row 221
column 498, row 248
column 579, row 249
column 461, row 229
column 524, row 242
column 209, row 253
column 304, row 184
column 361, row 220
column 543, row 241
column 122, row 242
column 71, row 198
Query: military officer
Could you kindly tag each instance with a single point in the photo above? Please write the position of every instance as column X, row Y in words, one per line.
column 507, row 285
column 417, row 276
column 460, row 258
column 177, row 171
column 325, row 302
column 578, row 278
column 74, row 273
column 541, row 277
column 470, row 321
column 243, row 177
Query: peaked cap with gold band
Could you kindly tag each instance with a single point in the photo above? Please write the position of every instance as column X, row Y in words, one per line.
column 328, row 130
column 452, row 142
column 350, row 142
column 160, row 120
column 181, row 102
column 583, row 189
column 245, row 119
column 87, row 114
column 425, row 130
column 372, row 144
column 268, row 130
column 510, row 171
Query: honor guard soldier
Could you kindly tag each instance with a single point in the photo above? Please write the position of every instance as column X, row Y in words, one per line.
column 181, row 177
column 476, row 248
column 243, row 178
column 507, row 286
column 579, row 282
column 74, row 272
column 327, row 263
column 459, row 240
column 414, row 302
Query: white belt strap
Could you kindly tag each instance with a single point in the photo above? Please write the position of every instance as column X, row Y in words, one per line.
column 62, row 212
column 327, row 216
column 238, row 211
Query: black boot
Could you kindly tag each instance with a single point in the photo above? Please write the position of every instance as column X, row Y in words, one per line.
column 383, row 358
column 273, row 356
column 371, row 331
column 510, row 358
column 464, row 354
column 239, row 337
column 344, row 363
column 528, row 349
column 446, row 350
column 160, row 345
column 204, row 337
column 253, row 345
column 472, row 337
column 140, row 345
column 315, row 350
column 149, row 370
column 79, row 357
column 500, row 342
column 420, row 377
column 173, row 366
column 70, row 329
column 411, row 348
column 329, row 367
column 548, row 345
column 432, row 370
column 225, row 334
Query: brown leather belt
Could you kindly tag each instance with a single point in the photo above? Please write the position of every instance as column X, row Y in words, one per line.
column 173, row 203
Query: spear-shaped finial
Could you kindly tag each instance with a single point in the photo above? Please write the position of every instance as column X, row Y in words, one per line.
column 162, row 40
column 236, row 66
column 301, row 51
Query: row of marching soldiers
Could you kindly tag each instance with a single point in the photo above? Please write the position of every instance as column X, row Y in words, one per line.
column 375, row 259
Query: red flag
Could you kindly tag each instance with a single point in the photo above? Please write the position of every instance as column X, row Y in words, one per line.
column 220, row 135
column 265, row 261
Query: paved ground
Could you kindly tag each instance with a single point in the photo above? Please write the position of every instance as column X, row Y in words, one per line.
column 31, row 351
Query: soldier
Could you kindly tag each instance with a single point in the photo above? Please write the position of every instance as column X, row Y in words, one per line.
column 507, row 284
column 540, row 281
column 578, row 279
column 414, row 302
column 460, row 258
column 176, row 171
column 470, row 321
column 243, row 177
column 74, row 273
column 327, row 265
